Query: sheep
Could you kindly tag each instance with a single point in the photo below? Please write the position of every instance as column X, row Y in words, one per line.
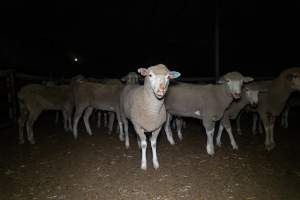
column 206, row 102
column 35, row 98
column 90, row 95
column 272, row 103
column 130, row 78
column 249, row 96
column 263, row 86
column 292, row 102
column 144, row 107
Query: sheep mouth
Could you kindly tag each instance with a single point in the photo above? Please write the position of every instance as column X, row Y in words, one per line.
column 236, row 96
column 253, row 105
column 159, row 95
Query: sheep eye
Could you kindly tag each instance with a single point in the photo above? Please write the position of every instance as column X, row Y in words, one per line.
column 150, row 75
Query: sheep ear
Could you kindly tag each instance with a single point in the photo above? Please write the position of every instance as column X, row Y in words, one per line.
column 221, row 80
column 247, row 79
column 290, row 77
column 264, row 90
column 143, row 71
column 124, row 78
column 174, row 74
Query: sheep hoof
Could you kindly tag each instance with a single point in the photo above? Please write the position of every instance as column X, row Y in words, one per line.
column 210, row 151
column 32, row 141
column 239, row 131
column 235, row 147
column 219, row 144
column 156, row 165
column 144, row 167
column 121, row 138
column 21, row 142
column 127, row 146
column 270, row 147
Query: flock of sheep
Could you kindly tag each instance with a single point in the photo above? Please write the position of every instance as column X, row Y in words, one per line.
column 152, row 106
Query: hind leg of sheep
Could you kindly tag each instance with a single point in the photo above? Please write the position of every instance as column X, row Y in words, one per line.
column 77, row 115
column 226, row 123
column 105, row 118
column 272, row 142
column 21, row 121
column 86, row 118
column 179, row 127
column 266, row 124
column 111, row 121
column 220, row 130
column 153, row 146
column 29, row 125
column 65, row 115
column 238, row 123
column 168, row 130
column 99, row 119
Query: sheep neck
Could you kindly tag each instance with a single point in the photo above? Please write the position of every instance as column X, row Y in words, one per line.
column 227, row 96
column 280, row 90
column 154, row 104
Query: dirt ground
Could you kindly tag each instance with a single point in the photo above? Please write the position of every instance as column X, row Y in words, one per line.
column 99, row 166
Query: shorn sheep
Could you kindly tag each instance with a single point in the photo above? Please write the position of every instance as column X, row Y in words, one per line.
column 35, row 98
column 144, row 107
column 205, row 102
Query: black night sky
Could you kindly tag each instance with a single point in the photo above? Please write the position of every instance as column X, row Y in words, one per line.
column 114, row 37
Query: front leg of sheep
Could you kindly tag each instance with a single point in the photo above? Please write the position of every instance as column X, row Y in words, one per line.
column 153, row 145
column 210, row 129
column 143, row 140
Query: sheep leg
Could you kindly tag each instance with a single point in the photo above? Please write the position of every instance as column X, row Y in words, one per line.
column 56, row 117
column 65, row 115
column 120, row 127
column 111, row 121
column 86, row 118
column 21, row 121
column 272, row 142
column 29, row 125
column 168, row 130
column 143, row 140
column 105, row 118
column 254, row 125
column 78, row 112
column 179, row 127
column 173, row 124
column 99, row 119
column 221, row 127
column 126, row 134
column 183, row 123
column 286, row 124
column 209, row 128
column 284, row 117
column 153, row 146
column 238, row 123
column 260, row 128
column 267, row 126
column 226, row 123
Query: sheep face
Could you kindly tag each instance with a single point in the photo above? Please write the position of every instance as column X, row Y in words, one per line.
column 131, row 78
column 158, row 77
column 252, row 96
column 234, row 81
column 294, row 81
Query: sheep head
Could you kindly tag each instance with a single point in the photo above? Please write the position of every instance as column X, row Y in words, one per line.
column 158, row 77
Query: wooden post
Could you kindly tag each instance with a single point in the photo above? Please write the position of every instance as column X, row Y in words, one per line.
column 11, row 95
column 217, row 42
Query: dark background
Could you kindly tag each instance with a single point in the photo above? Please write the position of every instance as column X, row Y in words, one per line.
column 114, row 37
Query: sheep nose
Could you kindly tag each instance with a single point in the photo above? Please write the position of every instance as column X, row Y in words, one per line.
column 162, row 86
column 237, row 94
